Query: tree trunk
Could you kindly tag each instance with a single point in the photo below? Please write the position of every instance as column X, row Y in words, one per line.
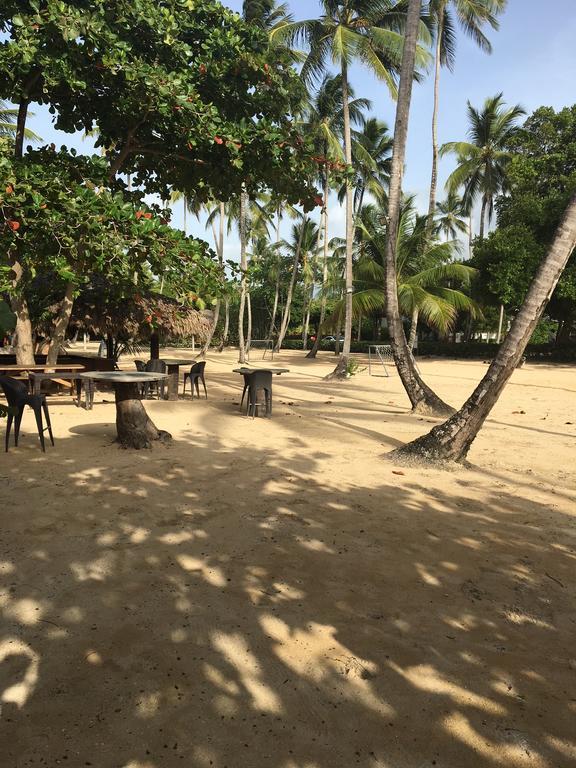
column 500, row 324
column 154, row 346
column 413, row 328
column 437, row 65
column 470, row 237
column 360, row 327
column 306, row 325
column 249, row 329
column 423, row 399
column 243, row 268
column 219, row 243
column 134, row 427
column 286, row 313
column 340, row 371
column 61, row 325
column 482, row 217
column 314, row 351
column 451, row 441
column 275, row 307
column 23, row 342
column 226, row 324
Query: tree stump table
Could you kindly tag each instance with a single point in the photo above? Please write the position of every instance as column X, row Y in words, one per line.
column 135, row 429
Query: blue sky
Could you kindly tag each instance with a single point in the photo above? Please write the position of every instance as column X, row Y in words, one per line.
column 533, row 63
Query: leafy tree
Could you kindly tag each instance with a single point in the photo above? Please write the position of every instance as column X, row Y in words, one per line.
column 472, row 16
column 185, row 95
column 483, row 161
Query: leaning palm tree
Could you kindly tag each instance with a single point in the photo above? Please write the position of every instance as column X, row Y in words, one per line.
column 368, row 31
column 483, row 161
column 8, row 118
column 447, row 15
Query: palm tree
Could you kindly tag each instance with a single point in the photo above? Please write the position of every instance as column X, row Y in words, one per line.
column 8, row 118
column 426, row 271
column 368, row 31
column 324, row 119
column 471, row 16
column 449, row 220
column 451, row 441
column 483, row 161
column 371, row 156
column 423, row 399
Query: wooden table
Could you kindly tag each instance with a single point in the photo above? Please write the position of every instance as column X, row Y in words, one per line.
column 173, row 369
column 11, row 368
column 61, row 377
column 134, row 427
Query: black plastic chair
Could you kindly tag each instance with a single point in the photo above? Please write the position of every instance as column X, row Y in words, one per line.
column 195, row 375
column 140, row 365
column 155, row 366
column 18, row 398
column 255, row 382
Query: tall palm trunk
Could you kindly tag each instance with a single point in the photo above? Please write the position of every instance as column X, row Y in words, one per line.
column 413, row 329
column 470, row 236
column 219, row 243
column 61, row 325
column 24, row 343
column 243, row 269
column 437, row 67
column 483, row 217
column 340, row 370
column 286, row 313
column 249, row 328
column 421, row 396
column 277, row 287
column 314, row 351
column 452, row 440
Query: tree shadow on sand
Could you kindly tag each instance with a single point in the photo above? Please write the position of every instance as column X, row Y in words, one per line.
column 202, row 606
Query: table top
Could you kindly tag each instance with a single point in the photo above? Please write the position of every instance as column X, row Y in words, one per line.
column 54, row 374
column 124, row 377
column 277, row 371
column 170, row 361
column 43, row 368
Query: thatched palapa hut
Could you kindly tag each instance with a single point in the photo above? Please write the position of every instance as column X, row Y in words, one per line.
column 125, row 321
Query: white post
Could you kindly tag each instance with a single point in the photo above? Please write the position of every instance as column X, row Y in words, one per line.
column 193, row 344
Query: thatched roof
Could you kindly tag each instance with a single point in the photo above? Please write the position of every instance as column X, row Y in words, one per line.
column 137, row 317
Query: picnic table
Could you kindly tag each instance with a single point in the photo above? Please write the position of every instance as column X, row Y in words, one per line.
column 60, row 377
column 134, row 427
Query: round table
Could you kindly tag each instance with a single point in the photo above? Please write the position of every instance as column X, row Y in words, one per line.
column 134, row 427
column 247, row 371
column 173, row 369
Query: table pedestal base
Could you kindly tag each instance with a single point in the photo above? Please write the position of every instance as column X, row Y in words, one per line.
column 134, row 427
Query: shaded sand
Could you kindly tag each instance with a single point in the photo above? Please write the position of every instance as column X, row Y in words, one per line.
column 272, row 594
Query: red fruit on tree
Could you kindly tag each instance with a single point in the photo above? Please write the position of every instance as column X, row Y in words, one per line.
column 147, row 215
column 9, row 189
column 14, row 225
column 202, row 69
column 139, row 214
column 319, row 200
column 218, row 140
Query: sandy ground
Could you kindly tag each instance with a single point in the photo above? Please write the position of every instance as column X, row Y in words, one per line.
column 273, row 594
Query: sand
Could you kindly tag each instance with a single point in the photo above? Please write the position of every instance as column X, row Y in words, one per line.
column 274, row 594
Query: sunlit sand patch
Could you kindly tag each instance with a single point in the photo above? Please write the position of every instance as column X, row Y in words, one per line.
column 234, row 648
column 25, row 611
column 521, row 618
column 426, row 576
column 19, row 692
column 315, row 545
column 519, row 755
column 217, row 678
column 315, row 654
column 212, row 574
column 148, row 705
column 426, row 678
column 96, row 570
column 566, row 748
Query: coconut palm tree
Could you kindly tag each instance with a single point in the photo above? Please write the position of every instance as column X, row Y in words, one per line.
column 371, row 157
column 471, row 16
column 483, row 161
column 450, row 217
column 451, row 440
column 431, row 285
column 368, row 31
column 324, row 120
column 8, row 118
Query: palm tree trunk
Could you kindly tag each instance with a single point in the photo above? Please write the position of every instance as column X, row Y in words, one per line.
column 360, row 327
column 226, row 324
column 314, row 351
column 340, row 371
column 413, row 329
column 286, row 314
column 437, row 66
column 243, row 268
column 306, row 324
column 423, row 399
column 470, row 236
column 500, row 324
column 483, row 217
column 219, row 242
column 277, row 287
column 61, row 325
column 452, row 440
column 249, row 329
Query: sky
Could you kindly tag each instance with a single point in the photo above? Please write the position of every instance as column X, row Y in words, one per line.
column 533, row 64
